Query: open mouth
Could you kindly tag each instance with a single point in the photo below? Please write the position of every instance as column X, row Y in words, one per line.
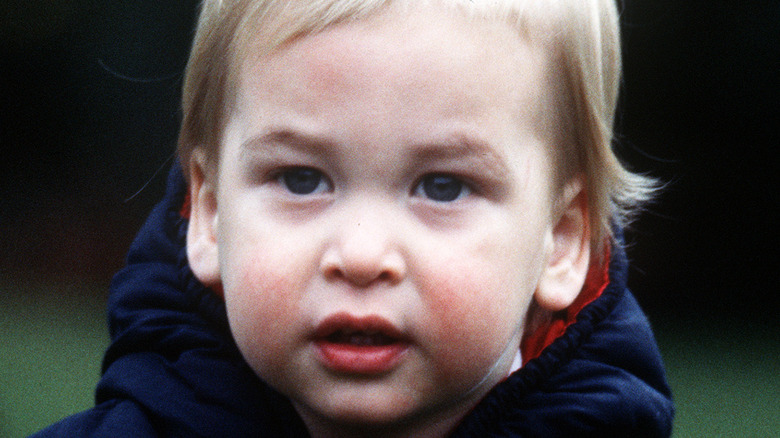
column 359, row 345
column 360, row 338
column 343, row 328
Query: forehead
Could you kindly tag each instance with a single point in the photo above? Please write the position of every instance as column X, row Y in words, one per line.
column 399, row 54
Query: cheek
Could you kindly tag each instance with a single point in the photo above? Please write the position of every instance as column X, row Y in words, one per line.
column 263, row 268
column 480, row 286
column 261, row 300
column 476, row 308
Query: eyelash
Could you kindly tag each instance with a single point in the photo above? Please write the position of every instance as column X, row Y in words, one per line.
column 437, row 187
column 300, row 180
column 451, row 188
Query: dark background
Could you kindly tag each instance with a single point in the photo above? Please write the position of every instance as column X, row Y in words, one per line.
column 89, row 112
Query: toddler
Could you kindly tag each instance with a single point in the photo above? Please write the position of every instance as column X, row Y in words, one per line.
column 391, row 218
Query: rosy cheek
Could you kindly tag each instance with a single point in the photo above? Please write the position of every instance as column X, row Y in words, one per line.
column 473, row 316
column 260, row 301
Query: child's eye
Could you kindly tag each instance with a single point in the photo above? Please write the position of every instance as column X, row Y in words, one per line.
column 304, row 181
column 441, row 188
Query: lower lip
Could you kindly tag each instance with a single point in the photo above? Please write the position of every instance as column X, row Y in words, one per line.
column 354, row 359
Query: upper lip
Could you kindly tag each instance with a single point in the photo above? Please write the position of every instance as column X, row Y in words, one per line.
column 346, row 324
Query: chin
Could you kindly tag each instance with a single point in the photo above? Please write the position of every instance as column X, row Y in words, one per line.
column 369, row 411
column 360, row 415
column 375, row 414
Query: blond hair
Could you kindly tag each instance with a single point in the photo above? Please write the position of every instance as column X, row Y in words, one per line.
column 582, row 37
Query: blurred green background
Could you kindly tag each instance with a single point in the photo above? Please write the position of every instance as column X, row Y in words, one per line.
column 89, row 94
column 725, row 375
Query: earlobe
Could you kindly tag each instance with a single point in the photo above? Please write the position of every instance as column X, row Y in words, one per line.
column 568, row 252
column 202, row 250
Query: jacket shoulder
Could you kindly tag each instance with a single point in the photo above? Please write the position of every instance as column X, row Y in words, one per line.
column 603, row 376
column 109, row 419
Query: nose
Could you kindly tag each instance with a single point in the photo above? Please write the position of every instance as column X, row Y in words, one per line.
column 365, row 250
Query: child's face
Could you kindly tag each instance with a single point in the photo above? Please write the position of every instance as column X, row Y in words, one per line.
column 383, row 215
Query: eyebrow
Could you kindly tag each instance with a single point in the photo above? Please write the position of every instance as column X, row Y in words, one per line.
column 457, row 147
column 289, row 138
column 463, row 147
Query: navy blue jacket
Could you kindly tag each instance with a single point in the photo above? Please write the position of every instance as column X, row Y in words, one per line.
column 173, row 370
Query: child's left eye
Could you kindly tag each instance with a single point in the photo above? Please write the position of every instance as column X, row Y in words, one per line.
column 304, row 181
column 441, row 188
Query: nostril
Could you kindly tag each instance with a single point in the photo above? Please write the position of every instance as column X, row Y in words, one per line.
column 393, row 267
column 388, row 276
column 364, row 273
column 362, row 265
column 330, row 265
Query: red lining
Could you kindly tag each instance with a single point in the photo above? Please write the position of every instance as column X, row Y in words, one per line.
column 595, row 283
column 185, row 207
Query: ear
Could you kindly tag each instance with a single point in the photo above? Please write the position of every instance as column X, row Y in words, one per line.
column 568, row 251
column 202, row 250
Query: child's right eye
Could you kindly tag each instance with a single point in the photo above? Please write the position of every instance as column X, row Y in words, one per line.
column 304, row 181
column 441, row 188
